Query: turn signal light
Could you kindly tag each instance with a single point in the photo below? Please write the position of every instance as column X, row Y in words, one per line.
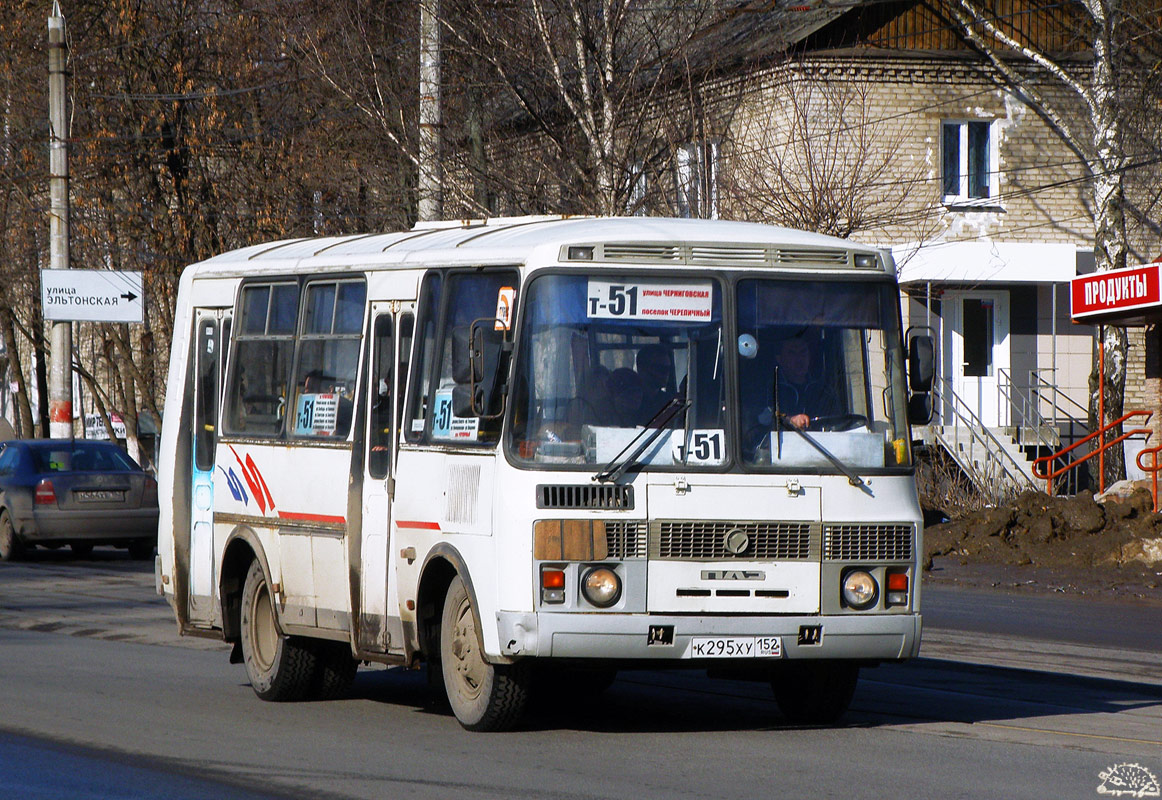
column 45, row 494
column 552, row 586
column 897, row 589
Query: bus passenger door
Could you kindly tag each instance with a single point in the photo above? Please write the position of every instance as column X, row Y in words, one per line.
column 210, row 326
column 391, row 340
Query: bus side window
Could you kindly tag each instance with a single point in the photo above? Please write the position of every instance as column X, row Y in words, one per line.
column 470, row 297
column 382, row 388
column 328, row 358
column 263, row 350
column 420, row 397
column 206, row 392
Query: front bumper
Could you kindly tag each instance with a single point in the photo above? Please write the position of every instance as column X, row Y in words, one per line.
column 875, row 637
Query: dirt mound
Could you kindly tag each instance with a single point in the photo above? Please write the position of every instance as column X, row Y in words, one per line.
column 1120, row 529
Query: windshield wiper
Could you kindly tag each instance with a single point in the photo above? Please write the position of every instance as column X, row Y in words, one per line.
column 782, row 422
column 616, row 467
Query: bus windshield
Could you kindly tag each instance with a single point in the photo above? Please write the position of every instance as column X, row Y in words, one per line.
column 602, row 354
column 823, row 357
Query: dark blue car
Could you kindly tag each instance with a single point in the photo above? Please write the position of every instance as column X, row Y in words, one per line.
column 79, row 492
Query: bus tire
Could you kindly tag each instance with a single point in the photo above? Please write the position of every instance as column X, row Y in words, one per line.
column 815, row 692
column 483, row 696
column 280, row 668
column 11, row 548
column 334, row 671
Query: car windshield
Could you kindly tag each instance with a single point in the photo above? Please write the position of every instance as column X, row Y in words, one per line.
column 80, row 457
column 602, row 354
column 826, row 358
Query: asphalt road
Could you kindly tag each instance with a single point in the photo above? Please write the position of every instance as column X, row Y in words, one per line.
column 1012, row 698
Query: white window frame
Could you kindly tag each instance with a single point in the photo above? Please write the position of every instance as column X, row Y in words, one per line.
column 696, row 179
column 962, row 197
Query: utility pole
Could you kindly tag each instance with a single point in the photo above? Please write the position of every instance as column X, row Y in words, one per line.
column 430, row 202
column 61, row 374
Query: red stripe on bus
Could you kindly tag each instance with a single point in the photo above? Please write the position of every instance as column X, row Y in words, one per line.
column 411, row 523
column 312, row 517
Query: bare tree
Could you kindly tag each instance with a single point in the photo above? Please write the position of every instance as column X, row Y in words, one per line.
column 584, row 82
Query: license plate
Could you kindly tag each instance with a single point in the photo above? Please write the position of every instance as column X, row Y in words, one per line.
column 736, row 647
column 100, row 496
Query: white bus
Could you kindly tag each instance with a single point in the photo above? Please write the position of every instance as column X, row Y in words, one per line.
column 551, row 447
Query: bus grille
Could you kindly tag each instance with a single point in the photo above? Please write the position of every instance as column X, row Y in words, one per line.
column 867, row 542
column 708, row 540
column 626, row 539
column 583, row 496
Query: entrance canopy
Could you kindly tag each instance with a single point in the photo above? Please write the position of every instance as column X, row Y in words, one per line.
column 1131, row 296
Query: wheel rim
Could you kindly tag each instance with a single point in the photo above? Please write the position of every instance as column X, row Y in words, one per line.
column 263, row 634
column 470, row 668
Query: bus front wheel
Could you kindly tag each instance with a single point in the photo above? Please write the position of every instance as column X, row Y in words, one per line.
column 279, row 667
column 815, row 692
column 483, row 696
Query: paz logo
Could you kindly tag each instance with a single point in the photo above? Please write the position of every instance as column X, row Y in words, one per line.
column 1129, row 780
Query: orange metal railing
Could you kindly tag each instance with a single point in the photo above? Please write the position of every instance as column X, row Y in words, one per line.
column 1042, row 467
column 1152, row 468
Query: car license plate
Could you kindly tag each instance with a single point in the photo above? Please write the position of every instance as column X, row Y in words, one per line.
column 100, row 496
column 736, row 647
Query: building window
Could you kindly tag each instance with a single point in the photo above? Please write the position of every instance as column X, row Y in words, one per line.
column 696, row 179
column 967, row 149
column 635, row 201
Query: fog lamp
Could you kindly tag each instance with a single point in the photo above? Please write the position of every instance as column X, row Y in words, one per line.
column 601, row 587
column 859, row 589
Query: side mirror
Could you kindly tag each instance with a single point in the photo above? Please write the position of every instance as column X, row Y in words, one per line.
column 478, row 359
column 461, row 357
column 920, row 408
column 921, row 363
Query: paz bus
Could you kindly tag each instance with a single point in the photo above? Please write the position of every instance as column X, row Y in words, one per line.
column 540, row 450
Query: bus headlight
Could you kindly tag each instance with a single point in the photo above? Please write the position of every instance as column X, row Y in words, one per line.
column 859, row 588
column 601, row 587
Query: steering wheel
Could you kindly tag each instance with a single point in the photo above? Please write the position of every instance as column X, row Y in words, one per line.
column 838, row 422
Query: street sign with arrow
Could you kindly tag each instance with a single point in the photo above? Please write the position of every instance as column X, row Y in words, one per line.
column 92, row 295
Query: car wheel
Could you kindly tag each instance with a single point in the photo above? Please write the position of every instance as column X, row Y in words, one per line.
column 81, row 550
column 483, row 696
column 141, row 550
column 280, row 668
column 815, row 692
column 11, row 548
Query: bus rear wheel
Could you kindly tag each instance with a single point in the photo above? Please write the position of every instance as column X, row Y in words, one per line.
column 483, row 696
column 280, row 668
column 815, row 692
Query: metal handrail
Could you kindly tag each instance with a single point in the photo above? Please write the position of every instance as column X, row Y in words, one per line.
column 977, row 432
column 1048, row 476
column 1152, row 469
column 1057, row 394
column 1026, row 410
column 1029, row 404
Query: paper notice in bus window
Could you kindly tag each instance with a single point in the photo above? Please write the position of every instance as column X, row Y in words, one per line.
column 703, row 447
column 445, row 425
column 504, row 300
column 316, row 414
column 675, row 301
